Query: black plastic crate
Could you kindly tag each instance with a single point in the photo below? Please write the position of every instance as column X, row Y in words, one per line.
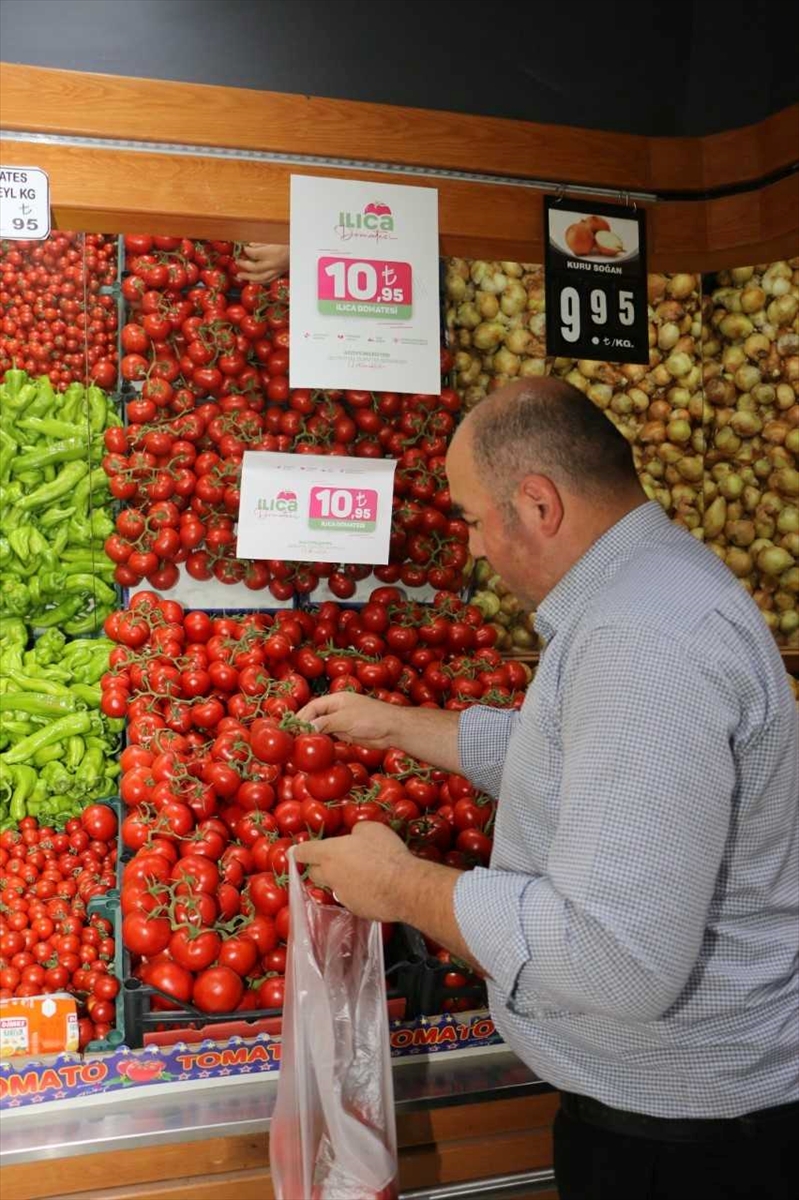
column 428, row 994
column 140, row 1018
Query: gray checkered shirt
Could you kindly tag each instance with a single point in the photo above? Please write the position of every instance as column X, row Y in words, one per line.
column 640, row 917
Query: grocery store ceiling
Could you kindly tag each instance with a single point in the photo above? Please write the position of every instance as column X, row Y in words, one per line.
column 632, row 66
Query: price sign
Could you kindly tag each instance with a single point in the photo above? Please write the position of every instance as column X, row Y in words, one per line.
column 315, row 508
column 364, row 286
column 24, row 204
column 367, row 288
column 595, row 277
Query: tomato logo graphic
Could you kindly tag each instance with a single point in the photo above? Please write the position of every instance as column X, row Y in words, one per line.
column 135, row 1070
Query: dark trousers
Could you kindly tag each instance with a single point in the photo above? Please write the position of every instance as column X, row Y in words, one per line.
column 598, row 1157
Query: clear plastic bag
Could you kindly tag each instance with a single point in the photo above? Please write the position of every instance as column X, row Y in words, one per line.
column 333, row 1134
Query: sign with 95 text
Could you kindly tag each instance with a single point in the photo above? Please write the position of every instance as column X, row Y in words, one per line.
column 24, row 204
column 364, row 286
column 595, row 279
column 315, row 508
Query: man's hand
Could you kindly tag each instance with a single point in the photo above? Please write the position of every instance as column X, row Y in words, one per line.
column 263, row 263
column 364, row 870
column 374, row 875
column 425, row 733
column 355, row 718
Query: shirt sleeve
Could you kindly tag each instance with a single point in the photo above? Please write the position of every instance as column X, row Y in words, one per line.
column 483, row 737
column 615, row 925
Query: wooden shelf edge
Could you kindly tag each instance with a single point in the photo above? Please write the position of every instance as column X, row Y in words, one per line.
column 89, row 104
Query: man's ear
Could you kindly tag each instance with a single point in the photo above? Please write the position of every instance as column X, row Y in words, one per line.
column 539, row 504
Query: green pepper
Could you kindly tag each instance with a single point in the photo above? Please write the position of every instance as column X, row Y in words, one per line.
column 13, row 382
column 40, row 684
column 90, row 622
column 54, row 516
column 77, row 447
column 91, row 769
column 45, row 495
column 54, row 774
column 15, row 599
column 92, row 671
column 13, row 633
column 50, row 428
column 8, row 450
column 72, row 406
column 84, row 694
column 76, row 748
column 19, row 541
column 98, row 409
column 47, row 755
column 90, row 584
column 16, row 729
column 49, row 647
column 73, row 725
column 45, row 399
column 37, row 704
column 101, row 525
column 25, row 780
column 60, row 615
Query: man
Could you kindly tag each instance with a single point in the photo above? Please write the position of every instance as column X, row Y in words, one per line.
column 638, row 922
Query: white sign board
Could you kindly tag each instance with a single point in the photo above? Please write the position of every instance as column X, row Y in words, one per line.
column 24, row 204
column 315, row 507
column 364, row 286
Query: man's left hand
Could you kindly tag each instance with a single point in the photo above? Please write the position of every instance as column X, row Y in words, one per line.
column 365, row 869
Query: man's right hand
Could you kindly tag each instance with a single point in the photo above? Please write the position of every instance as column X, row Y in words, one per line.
column 354, row 718
column 425, row 733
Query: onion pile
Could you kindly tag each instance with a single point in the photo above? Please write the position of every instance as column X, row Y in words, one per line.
column 750, row 350
column 713, row 420
column 495, row 316
column 514, row 624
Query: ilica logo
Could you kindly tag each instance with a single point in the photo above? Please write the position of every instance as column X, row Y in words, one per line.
column 284, row 504
column 375, row 222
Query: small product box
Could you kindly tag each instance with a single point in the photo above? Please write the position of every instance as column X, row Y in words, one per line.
column 38, row 1025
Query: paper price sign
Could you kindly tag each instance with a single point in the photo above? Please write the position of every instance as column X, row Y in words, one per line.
column 24, row 204
column 315, row 508
column 365, row 289
column 364, row 286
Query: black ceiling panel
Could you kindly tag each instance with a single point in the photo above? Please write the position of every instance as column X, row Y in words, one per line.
column 632, row 66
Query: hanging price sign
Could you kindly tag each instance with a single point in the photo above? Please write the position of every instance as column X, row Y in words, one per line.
column 364, row 286
column 315, row 508
column 24, row 204
column 595, row 278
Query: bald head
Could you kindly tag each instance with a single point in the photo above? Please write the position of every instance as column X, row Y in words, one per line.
column 547, row 427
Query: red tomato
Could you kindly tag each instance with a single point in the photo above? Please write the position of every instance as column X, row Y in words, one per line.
column 313, row 752
column 332, row 783
column 268, row 896
column 271, row 993
column 269, row 743
column 194, row 949
column 240, row 953
column 145, row 935
column 217, row 990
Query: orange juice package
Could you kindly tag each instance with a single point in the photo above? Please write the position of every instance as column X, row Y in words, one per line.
column 33, row 1025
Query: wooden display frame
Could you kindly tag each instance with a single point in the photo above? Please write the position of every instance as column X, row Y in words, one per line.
column 437, row 1146
column 118, row 190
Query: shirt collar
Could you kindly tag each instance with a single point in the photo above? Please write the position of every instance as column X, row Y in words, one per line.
column 572, row 593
